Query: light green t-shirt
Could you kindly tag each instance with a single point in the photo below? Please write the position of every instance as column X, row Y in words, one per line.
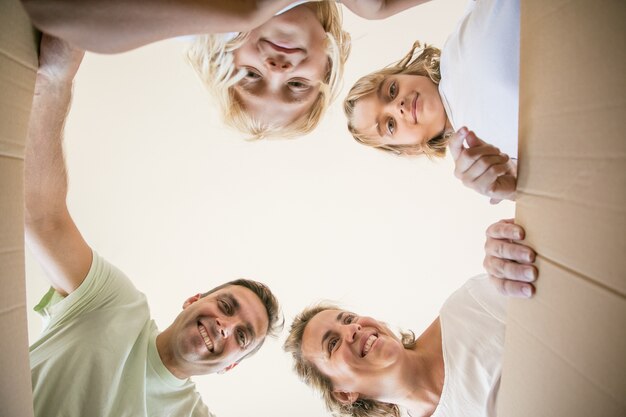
column 97, row 354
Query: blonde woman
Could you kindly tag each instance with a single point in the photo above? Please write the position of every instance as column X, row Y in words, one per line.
column 415, row 105
column 363, row 369
column 278, row 79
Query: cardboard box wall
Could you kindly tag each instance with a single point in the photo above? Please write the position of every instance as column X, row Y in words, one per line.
column 18, row 66
column 565, row 350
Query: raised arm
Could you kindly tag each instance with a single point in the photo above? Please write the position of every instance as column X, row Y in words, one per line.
column 51, row 233
column 110, row 26
column 380, row 9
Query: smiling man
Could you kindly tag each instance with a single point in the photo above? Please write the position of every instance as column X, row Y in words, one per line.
column 100, row 354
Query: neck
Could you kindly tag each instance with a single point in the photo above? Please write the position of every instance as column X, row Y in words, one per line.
column 166, row 353
column 421, row 381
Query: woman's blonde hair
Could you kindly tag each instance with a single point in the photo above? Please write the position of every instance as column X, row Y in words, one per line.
column 311, row 376
column 212, row 58
column 419, row 61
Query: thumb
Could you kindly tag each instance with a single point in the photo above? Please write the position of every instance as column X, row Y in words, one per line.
column 456, row 142
column 473, row 140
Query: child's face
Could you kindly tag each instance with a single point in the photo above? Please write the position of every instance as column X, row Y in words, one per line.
column 285, row 60
column 404, row 110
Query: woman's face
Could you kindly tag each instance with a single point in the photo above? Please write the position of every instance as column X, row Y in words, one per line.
column 285, row 60
column 356, row 353
column 404, row 110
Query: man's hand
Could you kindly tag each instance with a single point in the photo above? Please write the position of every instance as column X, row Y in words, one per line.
column 508, row 262
column 58, row 61
column 482, row 167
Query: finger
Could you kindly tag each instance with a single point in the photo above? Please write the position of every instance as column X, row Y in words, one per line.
column 489, row 167
column 469, row 156
column 487, row 183
column 507, row 250
column 505, row 269
column 513, row 288
column 473, row 140
column 506, row 229
column 456, row 142
column 503, row 187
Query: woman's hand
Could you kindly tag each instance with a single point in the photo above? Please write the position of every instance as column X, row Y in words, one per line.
column 482, row 167
column 509, row 262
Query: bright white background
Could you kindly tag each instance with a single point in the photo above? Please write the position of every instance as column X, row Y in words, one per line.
column 161, row 189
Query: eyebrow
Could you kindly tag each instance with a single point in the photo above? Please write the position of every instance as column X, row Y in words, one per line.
column 329, row 332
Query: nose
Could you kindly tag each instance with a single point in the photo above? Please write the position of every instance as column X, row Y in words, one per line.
column 278, row 63
column 351, row 331
column 224, row 327
column 401, row 107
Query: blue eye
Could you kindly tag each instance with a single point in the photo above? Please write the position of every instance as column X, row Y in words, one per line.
column 298, row 84
column 391, row 125
column 251, row 73
column 393, row 89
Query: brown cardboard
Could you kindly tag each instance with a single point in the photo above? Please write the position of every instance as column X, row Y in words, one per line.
column 565, row 348
column 18, row 65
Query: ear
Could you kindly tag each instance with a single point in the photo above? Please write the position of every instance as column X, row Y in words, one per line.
column 228, row 368
column 345, row 398
column 189, row 301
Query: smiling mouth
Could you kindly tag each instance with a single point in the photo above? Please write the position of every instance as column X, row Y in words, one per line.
column 414, row 107
column 205, row 336
column 283, row 47
column 368, row 344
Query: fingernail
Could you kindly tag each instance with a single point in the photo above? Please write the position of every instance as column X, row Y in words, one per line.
column 530, row 274
column 463, row 131
column 527, row 291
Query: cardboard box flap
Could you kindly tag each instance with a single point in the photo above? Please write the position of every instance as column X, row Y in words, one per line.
column 564, row 350
column 18, row 65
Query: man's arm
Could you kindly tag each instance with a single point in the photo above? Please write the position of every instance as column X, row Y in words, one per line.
column 111, row 26
column 51, row 233
column 509, row 262
column 482, row 167
column 380, row 9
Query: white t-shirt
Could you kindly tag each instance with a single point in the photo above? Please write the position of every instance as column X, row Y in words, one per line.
column 480, row 72
column 472, row 321
column 97, row 354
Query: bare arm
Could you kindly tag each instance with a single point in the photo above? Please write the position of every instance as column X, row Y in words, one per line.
column 110, row 26
column 380, row 9
column 51, row 233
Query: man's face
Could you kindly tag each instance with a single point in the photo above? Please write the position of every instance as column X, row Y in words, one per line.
column 213, row 333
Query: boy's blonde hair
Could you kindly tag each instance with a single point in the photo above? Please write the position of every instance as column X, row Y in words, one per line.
column 212, row 58
column 419, row 61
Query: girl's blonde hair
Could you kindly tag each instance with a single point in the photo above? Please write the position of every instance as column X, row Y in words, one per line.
column 212, row 58
column 311, row 376
column 419, row 61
